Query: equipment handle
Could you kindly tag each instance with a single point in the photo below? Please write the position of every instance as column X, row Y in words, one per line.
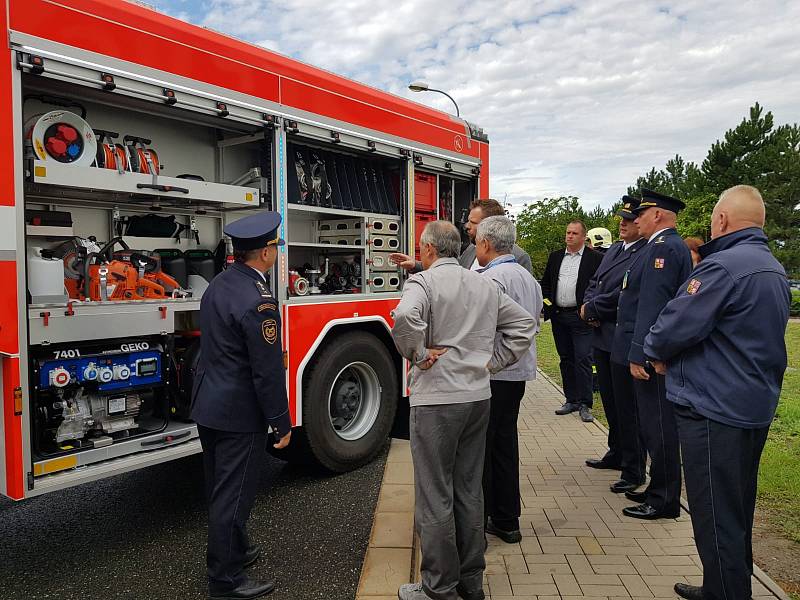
column 136, row 140
column 161, row 188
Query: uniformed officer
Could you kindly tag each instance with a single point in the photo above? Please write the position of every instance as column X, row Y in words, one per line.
column 722, row 338
column 239, row 391
column 655, row 277
column 625, row 451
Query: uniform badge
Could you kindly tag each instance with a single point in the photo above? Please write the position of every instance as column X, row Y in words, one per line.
column 625, row 279
column 269, row 330
column 262, row 289
column 267, row 306
column 693, row 286
column 659, row 264
column 660, row 240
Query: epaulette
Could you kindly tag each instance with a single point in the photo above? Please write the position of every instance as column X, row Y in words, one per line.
column 262, row 289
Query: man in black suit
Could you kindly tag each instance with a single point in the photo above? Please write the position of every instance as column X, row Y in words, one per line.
column 564, row 284
column 625, row 450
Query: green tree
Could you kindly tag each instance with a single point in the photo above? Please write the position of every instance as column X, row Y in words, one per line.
column 541, row 226
column 756, row 153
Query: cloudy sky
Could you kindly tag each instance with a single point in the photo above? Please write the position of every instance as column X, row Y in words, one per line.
column 578, row 98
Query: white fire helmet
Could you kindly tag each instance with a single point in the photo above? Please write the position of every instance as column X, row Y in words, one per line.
column 599, row 237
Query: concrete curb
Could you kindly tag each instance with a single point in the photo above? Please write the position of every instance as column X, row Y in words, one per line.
column 760, row 575
column 389, row 561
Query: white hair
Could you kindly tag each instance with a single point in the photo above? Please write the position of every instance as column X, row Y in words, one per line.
column 500, row 232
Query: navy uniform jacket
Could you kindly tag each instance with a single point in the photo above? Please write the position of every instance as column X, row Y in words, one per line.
column 602, row 295
column 240, row 384
column 654, row 275
column 723, row 334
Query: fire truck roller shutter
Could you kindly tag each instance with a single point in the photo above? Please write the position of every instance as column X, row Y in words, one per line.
column 349, row 401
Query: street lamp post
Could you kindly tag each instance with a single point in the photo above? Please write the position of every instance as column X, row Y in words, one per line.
column 420, row 86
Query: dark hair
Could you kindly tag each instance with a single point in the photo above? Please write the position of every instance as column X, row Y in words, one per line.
column 489, row 207
column 579, row 222
column 693, row 243
column 244, row 256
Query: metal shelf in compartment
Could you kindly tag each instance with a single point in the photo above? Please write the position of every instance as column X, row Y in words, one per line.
column 80, row 321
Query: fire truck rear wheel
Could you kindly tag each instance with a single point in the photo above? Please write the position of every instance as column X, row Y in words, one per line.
column 349, row 402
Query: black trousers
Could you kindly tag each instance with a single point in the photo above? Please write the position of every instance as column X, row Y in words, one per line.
column 721, row 467
column 573, row 339
column 632, row 453
column 602, row 360
column 501, row 463
column 657, row 418
column 232, row 462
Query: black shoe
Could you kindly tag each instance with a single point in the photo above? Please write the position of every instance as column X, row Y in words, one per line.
column 249, row 588
column 690, row 592
column 624, row 486
column 470, row 594
column 568, row 407
column 586, row 414
column 639, row 497
column 251, row 555
column 645, row 511
column 512, row 536
column 601, row 463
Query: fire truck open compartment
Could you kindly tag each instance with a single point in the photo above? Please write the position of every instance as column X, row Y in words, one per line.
column 111, row 375
column 345, row 210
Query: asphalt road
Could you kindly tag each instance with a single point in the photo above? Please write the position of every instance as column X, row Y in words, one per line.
column 142, row 535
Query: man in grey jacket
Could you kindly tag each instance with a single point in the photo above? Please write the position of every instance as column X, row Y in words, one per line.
column 493, row 243
column 478, row 211
column 445, row 324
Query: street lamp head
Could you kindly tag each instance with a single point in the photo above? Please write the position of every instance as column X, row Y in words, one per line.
column 418, row 86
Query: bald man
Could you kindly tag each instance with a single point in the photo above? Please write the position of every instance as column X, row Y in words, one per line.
column 720, row 342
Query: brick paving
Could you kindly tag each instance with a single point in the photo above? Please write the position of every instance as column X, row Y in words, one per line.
column 576, row 542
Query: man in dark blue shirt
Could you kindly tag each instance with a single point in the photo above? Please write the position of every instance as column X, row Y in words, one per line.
column 721, row 344
column 239, row 391
column 655, row 276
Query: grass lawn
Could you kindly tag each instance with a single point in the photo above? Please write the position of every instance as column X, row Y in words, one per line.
column 779, row 477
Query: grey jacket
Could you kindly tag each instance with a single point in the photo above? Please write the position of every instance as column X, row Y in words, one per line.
column 523, row 289
column 467, row 258
column 450, row 307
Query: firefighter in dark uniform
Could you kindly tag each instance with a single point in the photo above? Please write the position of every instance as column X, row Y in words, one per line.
column 625, row 451
column 239, row 391
column 655, row 277
column 722, row 339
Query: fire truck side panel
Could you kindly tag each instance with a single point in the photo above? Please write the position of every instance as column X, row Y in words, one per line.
column 484, row 177
column 12, row 425
column 308, row 325
column 133, row 33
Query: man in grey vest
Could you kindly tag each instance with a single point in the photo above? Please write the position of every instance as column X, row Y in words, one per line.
column 445, row 325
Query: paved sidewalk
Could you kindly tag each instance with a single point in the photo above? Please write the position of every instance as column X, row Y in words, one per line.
column 576, row 543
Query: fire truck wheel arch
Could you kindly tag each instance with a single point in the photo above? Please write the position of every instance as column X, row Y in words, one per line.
column 350, row 399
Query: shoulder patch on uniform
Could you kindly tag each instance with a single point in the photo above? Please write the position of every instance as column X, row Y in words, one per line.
column 659, row 264
column 262, row 289
column 269, row 329
column 267, row 306
column 693, row 286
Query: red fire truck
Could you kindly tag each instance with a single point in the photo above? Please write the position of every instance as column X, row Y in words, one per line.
column 129, row 139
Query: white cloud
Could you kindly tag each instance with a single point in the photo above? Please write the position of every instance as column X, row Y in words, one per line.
column 577, row 98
